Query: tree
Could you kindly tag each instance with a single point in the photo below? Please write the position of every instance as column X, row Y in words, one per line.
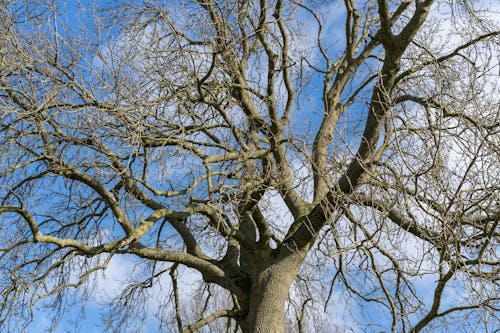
column 172, row 133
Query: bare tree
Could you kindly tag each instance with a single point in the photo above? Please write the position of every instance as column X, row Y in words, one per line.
column 302, row 157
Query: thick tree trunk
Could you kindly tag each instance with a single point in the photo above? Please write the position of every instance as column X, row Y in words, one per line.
column 268, row 296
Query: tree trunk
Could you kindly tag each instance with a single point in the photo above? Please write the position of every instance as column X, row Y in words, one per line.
column 269, row 294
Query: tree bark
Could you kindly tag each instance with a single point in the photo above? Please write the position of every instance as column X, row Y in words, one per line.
column 269, row 293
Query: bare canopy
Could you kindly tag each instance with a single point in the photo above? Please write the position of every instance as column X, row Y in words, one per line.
column 320, row 166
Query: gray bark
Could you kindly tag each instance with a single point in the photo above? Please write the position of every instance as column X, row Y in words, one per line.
column 266, row 309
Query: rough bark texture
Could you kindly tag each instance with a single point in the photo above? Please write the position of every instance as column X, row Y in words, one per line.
column 268, row 296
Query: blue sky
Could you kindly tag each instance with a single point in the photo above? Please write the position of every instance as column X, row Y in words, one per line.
column 75, row 16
